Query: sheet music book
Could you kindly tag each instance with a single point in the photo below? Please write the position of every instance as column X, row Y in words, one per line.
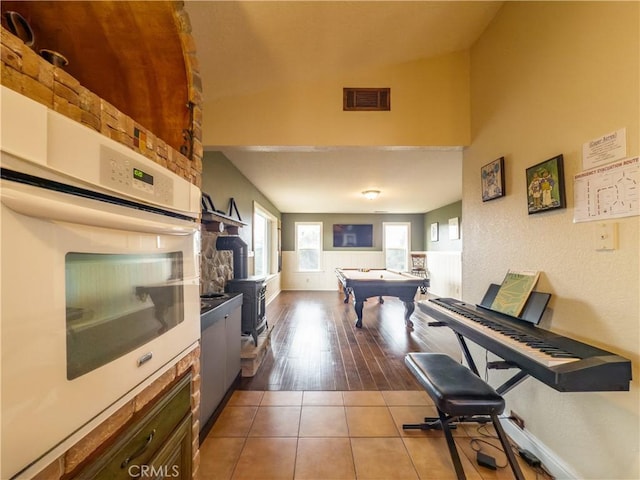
column 514, row 292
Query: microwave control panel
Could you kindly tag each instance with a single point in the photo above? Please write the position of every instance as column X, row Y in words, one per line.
column 124, row 174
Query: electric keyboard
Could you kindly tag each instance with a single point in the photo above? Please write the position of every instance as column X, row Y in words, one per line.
column 560, row 362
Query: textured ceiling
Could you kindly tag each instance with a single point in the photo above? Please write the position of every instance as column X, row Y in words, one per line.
column 245, row 47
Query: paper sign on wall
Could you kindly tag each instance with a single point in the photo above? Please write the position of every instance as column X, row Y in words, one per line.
column 609, row 191
column 604, row 149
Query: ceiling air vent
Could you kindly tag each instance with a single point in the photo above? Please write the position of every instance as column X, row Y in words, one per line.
column 376, row 99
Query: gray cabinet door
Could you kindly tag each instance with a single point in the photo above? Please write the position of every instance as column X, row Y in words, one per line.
column 233, row 331
column 212, row 368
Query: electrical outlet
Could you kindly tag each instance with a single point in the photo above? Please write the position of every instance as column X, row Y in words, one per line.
column 606, row 236
column 517, row 419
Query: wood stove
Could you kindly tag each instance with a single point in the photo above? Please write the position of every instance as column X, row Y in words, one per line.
column 254, row 290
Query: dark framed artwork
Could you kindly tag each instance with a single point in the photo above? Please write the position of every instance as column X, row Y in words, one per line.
column 545, row 186
column 492, row 177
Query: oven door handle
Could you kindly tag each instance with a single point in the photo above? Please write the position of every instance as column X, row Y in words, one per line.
column 46, row 206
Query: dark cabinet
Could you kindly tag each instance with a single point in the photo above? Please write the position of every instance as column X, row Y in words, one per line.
column 212, row 368
column 174, row 458
column 220, row 363
column 157, row 445
column 232, row 351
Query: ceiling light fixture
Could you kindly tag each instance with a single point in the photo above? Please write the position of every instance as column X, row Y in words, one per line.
column 371, row 194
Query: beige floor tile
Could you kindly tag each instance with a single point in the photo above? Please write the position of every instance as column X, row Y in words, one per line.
column 267, row 459
column 370, row 422
column 281, row 398
column 276, row 422
column 363, row 398
column 474, row 471
column 319, row 421
column 408, row 397
column 218, row 457
column 322, row 398
column 245, row 398
column 324, row 458
column 414, row 415
column 233, row 422
column 251, row 442
column 431, row 457
column 382, row 458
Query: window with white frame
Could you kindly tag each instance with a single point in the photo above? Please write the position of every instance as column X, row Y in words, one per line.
column 309, row 246
column 265, row 246
column 397, row 238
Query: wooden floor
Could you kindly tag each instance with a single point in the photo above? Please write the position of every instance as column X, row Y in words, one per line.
column 315, row 345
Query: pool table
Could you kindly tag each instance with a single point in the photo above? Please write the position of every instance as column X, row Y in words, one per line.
column 364, row 283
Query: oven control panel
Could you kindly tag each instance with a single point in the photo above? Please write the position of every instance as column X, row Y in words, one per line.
column 124, row 174
column 98, row 162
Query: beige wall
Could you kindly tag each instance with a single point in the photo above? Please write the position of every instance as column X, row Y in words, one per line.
column 429, row 106
column 545, row 78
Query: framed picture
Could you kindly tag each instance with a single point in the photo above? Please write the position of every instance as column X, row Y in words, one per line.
column 492, row 178
column 434, row 232
column 545, row 186
column 454, row 229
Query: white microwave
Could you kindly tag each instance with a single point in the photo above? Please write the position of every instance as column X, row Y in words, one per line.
column 99, row 279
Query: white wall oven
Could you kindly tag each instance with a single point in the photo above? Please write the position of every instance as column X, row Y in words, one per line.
column 99, row 263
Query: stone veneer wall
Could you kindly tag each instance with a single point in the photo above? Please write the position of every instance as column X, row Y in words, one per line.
column 216, row 266
column 24, row 71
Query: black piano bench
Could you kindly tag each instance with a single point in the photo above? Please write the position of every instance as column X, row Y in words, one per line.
column 457, row 393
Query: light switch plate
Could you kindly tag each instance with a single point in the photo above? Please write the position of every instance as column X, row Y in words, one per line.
column 606, row 236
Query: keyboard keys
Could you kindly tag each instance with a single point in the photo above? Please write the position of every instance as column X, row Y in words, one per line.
column 528, row 344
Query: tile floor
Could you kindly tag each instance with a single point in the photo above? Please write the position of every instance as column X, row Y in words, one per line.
column 333, row 436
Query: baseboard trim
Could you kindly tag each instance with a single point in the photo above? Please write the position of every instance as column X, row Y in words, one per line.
column 556, row 466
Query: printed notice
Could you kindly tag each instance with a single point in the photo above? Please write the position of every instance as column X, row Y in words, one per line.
column 607, row 192
column 605, row 149
column 514, row 292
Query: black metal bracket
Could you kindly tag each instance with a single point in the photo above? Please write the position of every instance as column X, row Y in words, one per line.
column 501, row 365
column 207, row 203
column 187, row 134
column 437, row 324
column 233, row 207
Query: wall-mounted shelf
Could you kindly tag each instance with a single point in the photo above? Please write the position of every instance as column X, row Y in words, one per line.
column 216, row 221
column 213, row 221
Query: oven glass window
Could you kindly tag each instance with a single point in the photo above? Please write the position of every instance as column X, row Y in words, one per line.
column 115, row 303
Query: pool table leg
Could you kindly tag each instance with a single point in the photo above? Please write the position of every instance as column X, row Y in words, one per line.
column 346, row 294
column 409, row 307
column 358, row 306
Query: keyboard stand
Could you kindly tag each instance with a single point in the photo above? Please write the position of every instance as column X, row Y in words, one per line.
column 512, row 382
